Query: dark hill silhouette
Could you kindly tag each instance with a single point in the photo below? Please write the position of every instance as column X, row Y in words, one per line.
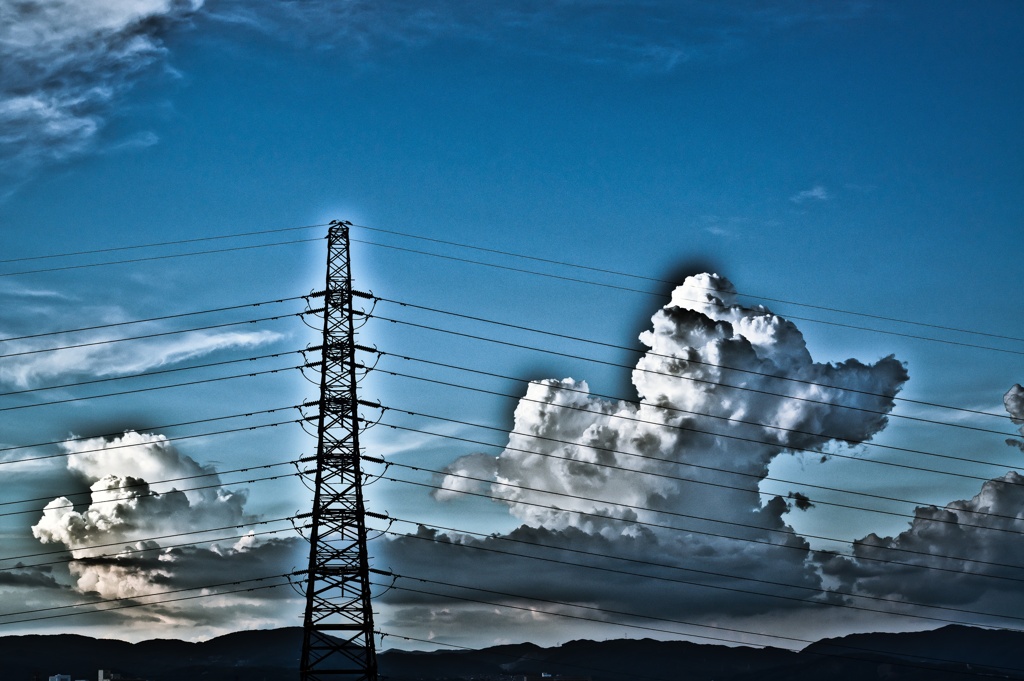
column 953, row 653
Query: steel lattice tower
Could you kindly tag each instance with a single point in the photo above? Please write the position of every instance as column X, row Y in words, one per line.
column 338, row 624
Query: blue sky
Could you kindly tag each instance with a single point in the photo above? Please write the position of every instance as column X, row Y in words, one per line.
column 855, row 156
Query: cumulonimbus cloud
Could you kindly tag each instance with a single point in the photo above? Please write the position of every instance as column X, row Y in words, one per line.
column 723, row 387
column 670, row 479
column 123, row 542
column 968, row 548
column 652, row 508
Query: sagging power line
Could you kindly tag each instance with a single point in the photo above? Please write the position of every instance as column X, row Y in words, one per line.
column 331, row 403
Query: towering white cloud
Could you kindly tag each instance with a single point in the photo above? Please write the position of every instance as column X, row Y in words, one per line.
column 723, row 390
column 124, row 506
column 120, row 541
column 672, row 479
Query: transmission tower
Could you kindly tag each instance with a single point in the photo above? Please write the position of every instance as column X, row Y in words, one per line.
column 338, row 624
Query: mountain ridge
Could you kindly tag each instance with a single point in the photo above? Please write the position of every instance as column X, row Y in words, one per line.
column 948, row 653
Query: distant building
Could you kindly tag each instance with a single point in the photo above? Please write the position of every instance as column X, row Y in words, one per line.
column 107, row 675
column 61, row 677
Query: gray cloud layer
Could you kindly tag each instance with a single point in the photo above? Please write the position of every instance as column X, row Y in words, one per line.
column 974, row 544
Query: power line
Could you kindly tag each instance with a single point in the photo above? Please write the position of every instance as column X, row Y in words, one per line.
column 659, row 295
column 226, row 483
column 127, row 550
column 607, row 611
column 499, row 252
column 692, row 465
column 706, row 585
column 655, row 354
column 509, row 269
column 153, row 335
column 718, row 587
column 132, row 602
column 158, row 257
column 676, row 283
column 491, row 374
column 162, row 243
column 645, row 523
column 152, row 388
column 166, row 600
column 739, row 438
column 150, row 483
column 153, row 428
column 166, row 439
column 585, row 607
column 146, row 374
column 412, row 377
column 154, row 319
column 237, row 526
column 152, row 494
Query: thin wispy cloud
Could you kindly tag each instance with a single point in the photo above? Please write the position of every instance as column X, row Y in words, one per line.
column 66, row 63
column 141, row 140
column 647, row 36
column 30, row 360
column 723, row 227
column 815, row 193
column 106, row 359
column 10, row 289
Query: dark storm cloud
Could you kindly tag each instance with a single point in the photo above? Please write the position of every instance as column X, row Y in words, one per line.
column 188, row 567
column 801, row 501
column 34, row 577
column 973, row 544
column 1013, row 401
column 966, row 553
